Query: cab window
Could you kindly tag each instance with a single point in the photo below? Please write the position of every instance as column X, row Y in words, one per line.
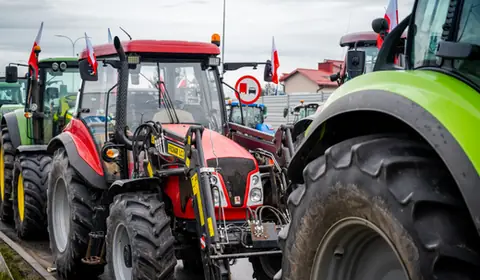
column 430, row 15
column 469, row 23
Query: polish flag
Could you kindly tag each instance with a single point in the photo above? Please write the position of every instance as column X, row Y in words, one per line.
column 92, row 59
column 33, row 59
column 275, row 62
column 391, row 16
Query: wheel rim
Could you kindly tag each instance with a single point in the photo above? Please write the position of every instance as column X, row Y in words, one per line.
column 2, row 174
column 356, row 249
column 121, row 254
column 60, row 215
column 20, row 198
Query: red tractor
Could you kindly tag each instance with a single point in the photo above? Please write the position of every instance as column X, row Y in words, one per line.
column 139, row 192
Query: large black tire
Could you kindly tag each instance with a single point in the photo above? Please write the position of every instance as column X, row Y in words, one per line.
column 265, row 267
column 30, row 175
column 400, row 186
column 81, row 201
column 6, row 211
column 147, row 227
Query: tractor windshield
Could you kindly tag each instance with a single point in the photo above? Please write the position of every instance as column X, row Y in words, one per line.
column 251, row 115
column 12, row 93
column 303, row 112
column 193, row 90
column 61, row 87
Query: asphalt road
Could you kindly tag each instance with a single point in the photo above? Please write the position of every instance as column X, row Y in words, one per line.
column 40, row 251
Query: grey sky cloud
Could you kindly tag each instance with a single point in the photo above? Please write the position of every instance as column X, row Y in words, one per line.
column 306, row 31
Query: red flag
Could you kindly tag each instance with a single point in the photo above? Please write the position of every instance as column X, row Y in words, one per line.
column 92, row 59
column 275, row 62
column 33, row 59
column 391, row 16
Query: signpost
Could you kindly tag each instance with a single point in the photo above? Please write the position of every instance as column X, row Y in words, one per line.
column 248, row 90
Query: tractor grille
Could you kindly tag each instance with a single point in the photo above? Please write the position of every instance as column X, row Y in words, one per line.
column 234, row 172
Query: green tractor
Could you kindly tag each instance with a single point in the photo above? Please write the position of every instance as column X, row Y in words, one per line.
column 24, row 162
column 387, row 178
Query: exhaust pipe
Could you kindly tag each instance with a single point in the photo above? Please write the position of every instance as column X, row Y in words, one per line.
column 121, row 114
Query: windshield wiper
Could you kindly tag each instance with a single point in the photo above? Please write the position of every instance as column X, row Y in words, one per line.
column 168, row 104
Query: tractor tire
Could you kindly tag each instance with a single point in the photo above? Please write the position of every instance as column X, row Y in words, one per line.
column 265, row 267
column 30, row 175
column 379, row 190
column 7, row 159
column 70, row 210
column 140, row 244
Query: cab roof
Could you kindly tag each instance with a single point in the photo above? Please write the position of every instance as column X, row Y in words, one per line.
column 57, row 59
column 255, row 105
column 156, row 46
column 364, row 36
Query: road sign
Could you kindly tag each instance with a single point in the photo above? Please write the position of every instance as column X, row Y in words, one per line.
column 249, row 88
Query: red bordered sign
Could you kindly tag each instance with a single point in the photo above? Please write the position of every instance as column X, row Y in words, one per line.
column 249, row 88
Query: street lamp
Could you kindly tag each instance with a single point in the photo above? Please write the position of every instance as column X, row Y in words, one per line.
column 71, row 41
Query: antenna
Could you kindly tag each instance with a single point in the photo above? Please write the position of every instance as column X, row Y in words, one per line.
column 125, row 32
column 346, row 32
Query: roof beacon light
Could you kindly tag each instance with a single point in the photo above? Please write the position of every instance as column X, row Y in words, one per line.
column 216, row 39
column 301, row 101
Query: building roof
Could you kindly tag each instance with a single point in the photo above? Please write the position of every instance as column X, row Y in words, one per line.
column 156, row 46
column 319, row 77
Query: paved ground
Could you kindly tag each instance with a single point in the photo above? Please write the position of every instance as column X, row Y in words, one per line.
column 40, row 251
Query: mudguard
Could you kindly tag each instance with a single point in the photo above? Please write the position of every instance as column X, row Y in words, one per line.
column 441, row 109
column 32, row 149
column 17, row 127
column 134, row 185
column 84, row 170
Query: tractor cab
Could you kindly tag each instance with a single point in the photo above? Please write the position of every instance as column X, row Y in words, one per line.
column 302, row 110
column 51, row 98
column 362, row 52
column 254, row 116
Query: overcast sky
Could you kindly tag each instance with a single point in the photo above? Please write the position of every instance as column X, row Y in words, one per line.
column 306, row 31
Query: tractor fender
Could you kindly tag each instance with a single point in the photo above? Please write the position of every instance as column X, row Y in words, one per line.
column 83, row 169
column 301, row 126
column 440, row 109
column 32, row 149
column 17, row 127
column 134, row 185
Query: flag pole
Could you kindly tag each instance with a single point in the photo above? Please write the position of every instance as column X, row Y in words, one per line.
column 223, row 36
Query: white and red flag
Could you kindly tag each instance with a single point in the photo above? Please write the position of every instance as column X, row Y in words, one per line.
column 275, row 62
column 33, row 59
column 92, row 59
column 391, row 16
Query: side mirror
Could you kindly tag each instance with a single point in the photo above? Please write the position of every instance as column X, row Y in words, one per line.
column 267, row 72
column 285, row 112
column 86, row 71
column 335, row 77
column 380, row 25
column 11, row 74
column 355, row 65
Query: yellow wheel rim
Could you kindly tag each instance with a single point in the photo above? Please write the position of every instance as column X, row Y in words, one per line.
column 2, row 174
column 20, row 198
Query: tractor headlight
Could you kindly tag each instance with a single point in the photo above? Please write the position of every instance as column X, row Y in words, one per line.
column 216, row 197
column 255, row 179
column 255, row 195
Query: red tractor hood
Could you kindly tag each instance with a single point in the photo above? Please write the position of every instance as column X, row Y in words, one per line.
column 213, row 142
